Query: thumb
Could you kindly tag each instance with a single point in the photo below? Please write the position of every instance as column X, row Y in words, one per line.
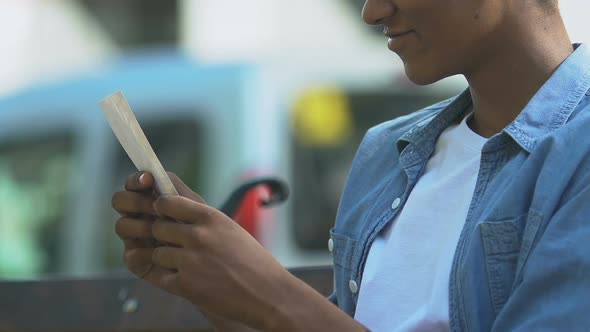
column 184, row 190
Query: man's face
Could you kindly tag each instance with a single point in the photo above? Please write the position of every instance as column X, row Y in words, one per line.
column 439, row 38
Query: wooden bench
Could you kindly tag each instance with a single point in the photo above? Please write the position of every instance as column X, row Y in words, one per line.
column 113, row 303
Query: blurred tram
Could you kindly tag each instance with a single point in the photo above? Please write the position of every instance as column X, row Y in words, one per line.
column 214, row 125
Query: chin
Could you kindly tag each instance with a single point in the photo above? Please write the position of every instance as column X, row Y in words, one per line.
column 423, row 75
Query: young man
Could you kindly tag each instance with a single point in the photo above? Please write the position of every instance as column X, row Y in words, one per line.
column 469, row 215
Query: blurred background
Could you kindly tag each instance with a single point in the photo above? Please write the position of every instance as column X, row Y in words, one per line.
column 226, row 91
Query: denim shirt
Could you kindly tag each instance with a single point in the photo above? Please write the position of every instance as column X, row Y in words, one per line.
column 522, row 262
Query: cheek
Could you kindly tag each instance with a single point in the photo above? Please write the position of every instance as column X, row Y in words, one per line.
column 462, row 32
column 448, row 46
column 436, row 56
column 451, row 35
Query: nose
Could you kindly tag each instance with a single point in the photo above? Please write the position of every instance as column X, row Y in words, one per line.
column 375, row 11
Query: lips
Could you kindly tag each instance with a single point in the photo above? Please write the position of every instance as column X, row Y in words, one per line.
column 391, row 33
column 396, row 35
column 398, row 39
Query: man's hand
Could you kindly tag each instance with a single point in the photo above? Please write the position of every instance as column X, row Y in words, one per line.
column 214, row 263
column 135, row 205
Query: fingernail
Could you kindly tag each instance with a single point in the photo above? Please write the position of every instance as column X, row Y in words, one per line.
column 142, row 178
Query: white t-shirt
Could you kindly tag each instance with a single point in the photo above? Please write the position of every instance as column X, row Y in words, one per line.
column 405, row 284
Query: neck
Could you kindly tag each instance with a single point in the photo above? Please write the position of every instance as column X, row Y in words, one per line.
column 522, row 61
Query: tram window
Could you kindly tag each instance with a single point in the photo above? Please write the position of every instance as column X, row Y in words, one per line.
column 320, row 170
column 176, row 143
column 34, row 182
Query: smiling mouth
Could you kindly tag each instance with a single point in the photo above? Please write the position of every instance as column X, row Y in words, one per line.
column 396, row 34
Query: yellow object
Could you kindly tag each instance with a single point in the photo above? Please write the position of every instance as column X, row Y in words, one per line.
column 322, row 117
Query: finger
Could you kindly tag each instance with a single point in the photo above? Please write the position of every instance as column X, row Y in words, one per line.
column 157, row 276
column 132, row 228
column 173, row 233
column 183, row 209
column 138, row 243
column 164, row 278
column 184, row 190
column 140, row 181
column 138, row 259
column 168, row 257
column 130, row 202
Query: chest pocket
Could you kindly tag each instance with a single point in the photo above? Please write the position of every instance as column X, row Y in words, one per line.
column 506, row 244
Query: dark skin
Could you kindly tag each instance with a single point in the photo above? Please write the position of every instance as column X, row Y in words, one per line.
column 214, row 263
column 506, row 49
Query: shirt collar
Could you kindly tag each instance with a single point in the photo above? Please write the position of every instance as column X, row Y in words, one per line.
column 554, row 103
column 548, row 110
column 425, row 133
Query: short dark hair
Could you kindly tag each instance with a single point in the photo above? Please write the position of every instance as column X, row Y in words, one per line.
column 549, row 5
column 552, row 3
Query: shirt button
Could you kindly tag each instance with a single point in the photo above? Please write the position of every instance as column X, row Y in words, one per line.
column 330, row 245
column 396, row 203
column 353, row 286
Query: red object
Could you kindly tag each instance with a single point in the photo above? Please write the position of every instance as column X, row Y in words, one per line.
column 249, row 214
